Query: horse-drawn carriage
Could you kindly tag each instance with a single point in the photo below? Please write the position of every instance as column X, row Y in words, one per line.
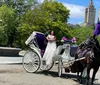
column 33, row 58
column 65, row 55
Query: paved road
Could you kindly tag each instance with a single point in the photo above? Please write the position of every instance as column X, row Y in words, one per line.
column 16, row 75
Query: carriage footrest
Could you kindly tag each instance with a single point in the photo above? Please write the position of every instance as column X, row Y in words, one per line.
column 67, row 69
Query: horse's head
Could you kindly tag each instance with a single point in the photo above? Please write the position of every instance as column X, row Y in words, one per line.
column 90, row 41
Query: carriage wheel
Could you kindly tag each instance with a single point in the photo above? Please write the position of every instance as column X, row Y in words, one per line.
column 60, row 68
column 45, row 68
column 31, row 61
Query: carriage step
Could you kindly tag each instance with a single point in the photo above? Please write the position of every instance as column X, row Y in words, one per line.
column 43, row 62
column 67, row 69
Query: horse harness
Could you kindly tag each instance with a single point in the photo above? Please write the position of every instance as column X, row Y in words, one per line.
column 87, row 53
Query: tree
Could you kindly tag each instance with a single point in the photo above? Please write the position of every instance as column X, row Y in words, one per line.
column 81, row 33
column 8, row 23
column 50, row 14
column 19, row 8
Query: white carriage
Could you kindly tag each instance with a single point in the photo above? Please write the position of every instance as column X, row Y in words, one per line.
column 33, row 58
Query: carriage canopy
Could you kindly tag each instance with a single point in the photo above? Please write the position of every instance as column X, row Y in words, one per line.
column 38, row 38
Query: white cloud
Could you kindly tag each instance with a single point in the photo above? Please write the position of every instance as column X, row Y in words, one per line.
column 76, row 11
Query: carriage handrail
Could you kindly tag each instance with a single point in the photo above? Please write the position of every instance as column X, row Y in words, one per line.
column 79, row 59
column 72, row 61
column 68, row 41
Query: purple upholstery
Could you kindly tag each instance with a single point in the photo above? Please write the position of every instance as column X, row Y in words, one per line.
column 40, row 38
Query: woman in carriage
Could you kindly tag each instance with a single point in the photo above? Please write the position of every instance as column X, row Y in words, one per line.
column 50, row 49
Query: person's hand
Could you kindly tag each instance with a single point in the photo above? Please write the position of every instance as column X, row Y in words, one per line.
column 51, row 40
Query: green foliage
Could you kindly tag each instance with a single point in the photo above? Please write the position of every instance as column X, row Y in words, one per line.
column 3, row 37
column 81, row 33
column 19, row 18
column 10, row 13
column 8, row 22
column 50, row 14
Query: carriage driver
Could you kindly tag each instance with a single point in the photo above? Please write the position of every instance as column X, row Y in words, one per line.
column 97, row 30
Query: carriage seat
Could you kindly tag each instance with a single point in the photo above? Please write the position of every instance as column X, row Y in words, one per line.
column 73, row 50
column 41, row 41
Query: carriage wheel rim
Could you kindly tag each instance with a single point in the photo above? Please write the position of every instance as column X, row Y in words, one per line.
column 33, row 64
column 59, row 68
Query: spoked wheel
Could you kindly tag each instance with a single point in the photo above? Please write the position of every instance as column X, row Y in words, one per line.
column 60, row 68
column 31, row 61
column 45, row 67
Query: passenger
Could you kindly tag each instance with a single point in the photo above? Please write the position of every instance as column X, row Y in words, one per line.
column 50, row 49
column 46, row 34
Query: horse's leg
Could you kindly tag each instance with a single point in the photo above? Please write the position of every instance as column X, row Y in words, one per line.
column 88, row 74
column 81, row 77
column 78, row 78
column 78, row 71
column 94, row 73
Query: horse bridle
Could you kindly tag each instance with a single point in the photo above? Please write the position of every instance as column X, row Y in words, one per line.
column 96, row 46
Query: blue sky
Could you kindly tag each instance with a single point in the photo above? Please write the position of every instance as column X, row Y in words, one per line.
column 77, row 8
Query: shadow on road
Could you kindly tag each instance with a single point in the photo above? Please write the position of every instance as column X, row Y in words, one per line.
column 65, row 76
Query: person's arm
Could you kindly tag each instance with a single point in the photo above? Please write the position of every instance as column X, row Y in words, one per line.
column 48, row 38
column 54, row 38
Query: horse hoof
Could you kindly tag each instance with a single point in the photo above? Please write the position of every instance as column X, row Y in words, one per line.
column 80, row 81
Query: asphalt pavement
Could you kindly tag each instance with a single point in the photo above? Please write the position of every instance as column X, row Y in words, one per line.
column 13, row 73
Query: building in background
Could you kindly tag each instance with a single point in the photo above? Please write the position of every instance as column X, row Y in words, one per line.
column 99, row 15
column 89, row 18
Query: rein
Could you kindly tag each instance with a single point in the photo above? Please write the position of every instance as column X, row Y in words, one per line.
column 97, row 48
